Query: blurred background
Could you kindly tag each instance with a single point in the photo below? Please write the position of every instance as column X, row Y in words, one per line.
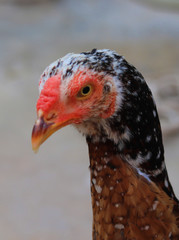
column 46, row 195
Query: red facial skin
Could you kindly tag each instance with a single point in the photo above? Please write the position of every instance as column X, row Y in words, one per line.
column 49, row 96
column 59, row 105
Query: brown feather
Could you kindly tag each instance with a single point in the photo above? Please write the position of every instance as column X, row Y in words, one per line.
column 125, row 204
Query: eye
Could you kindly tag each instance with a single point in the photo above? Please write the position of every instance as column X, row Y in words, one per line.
column 85, row 91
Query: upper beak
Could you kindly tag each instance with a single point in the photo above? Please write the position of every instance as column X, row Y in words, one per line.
column 42, row 130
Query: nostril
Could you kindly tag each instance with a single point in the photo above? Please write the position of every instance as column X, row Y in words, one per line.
column 51, row 116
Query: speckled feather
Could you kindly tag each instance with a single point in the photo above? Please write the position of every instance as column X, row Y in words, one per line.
column 125, row 205
column 127, row 147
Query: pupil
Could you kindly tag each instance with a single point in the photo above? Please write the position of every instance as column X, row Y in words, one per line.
column 86, row 90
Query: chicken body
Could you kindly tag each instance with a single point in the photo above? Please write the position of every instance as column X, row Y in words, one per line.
column 109, row 102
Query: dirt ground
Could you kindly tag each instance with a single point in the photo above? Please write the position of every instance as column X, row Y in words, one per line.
column 46, row 195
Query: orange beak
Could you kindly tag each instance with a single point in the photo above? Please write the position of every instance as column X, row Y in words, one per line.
column 43, row 130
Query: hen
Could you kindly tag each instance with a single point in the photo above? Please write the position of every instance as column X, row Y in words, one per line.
column 109, row 102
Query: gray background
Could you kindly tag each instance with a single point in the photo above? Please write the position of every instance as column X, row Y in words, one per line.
column 47, row 195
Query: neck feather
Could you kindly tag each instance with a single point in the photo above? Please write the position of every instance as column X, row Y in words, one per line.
column 138, row 143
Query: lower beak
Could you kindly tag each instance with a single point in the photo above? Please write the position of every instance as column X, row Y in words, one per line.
column 42, row 130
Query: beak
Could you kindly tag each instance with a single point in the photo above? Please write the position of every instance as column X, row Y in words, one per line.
column 43, row 130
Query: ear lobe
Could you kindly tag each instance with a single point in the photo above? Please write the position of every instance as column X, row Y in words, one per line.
column 109, row 111
column 111, row 103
